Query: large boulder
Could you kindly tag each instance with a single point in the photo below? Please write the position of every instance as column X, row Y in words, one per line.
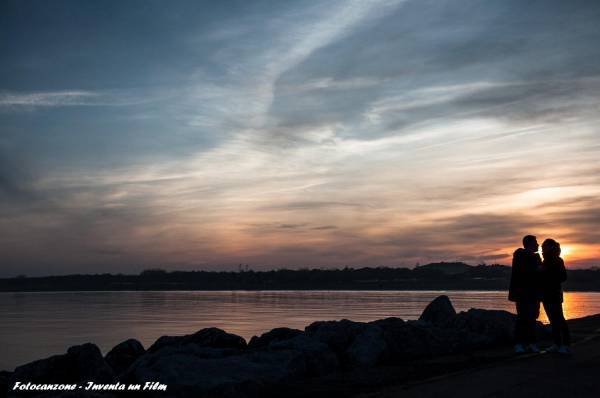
column 388, row 323
column 439, row 312
column 209, row 337
column 320, row 359
column 449, row 340
column 336, row 334
column 4, row 379
column 368, row 348
column 495, row 325
column 406, row 341
column 124, row 354
column 411, row 340
column 80, row 364
column 194, row 371
column 277, row 334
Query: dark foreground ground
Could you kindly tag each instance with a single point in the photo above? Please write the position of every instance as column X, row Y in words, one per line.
column 484, row 373
column 545, row 375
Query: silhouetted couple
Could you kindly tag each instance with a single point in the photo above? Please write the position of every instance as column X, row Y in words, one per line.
column 533, row 281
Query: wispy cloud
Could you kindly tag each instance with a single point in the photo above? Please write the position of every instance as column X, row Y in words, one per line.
column 16, row 100
column 57, row 98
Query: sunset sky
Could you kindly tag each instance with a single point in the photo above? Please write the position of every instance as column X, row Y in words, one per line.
column 201, row 135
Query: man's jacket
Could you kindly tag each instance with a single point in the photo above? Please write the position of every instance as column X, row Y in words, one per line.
column 524, row 278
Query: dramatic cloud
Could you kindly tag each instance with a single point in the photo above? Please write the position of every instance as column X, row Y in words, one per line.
column 379, row 132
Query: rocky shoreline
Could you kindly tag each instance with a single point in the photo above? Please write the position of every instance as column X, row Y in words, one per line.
column 214, row 363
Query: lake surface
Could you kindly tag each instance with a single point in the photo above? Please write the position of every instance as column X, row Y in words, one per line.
column 37, row 325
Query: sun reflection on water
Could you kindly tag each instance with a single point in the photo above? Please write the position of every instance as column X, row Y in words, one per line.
column 572, row 308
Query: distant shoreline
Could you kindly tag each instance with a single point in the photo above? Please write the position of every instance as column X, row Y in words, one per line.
column 435, row 277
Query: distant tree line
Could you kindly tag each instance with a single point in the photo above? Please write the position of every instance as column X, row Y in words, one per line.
column 435, row 276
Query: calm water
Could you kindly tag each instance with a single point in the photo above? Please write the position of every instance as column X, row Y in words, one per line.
column 37, row 325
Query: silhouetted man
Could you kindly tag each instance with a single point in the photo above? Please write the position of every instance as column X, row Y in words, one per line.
column 524, row 292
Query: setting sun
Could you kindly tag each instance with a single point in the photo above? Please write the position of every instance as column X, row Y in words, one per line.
column 566, row 251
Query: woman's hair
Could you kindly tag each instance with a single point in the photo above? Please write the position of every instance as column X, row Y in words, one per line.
column 550, row 248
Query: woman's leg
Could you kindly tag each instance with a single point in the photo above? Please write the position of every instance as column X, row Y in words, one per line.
column 566, row 332
column 552, row 313
column 564, row 327
column 560, row 329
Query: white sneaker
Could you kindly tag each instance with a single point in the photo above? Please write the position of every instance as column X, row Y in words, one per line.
column 564, row 349
column 519, row 349
column 552, row 348
column 533, row 348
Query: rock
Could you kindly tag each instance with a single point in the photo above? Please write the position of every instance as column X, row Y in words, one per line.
column 389, row 325
column 124, row 354
column 209, row 337
column 368, row 347
column 405, row 340
column 390, row 322
column 80, row 364
column 4, row 379
column 164, row 341
column 277, row 334
column 385, row 341
column 447, row 340
column 336, row 334
column 89, row 364
column 320, row 359
column 496, row 326
column 439, row 312
column 441, row 331
column 410, row 340
column 195, row 371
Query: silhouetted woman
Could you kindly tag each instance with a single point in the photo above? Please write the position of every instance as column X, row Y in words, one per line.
column 552, row 274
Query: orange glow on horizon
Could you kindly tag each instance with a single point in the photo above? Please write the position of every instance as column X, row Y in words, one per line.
column 566, row 251
column 573, row 253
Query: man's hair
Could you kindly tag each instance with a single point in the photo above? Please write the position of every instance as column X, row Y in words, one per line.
column 527, row 239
